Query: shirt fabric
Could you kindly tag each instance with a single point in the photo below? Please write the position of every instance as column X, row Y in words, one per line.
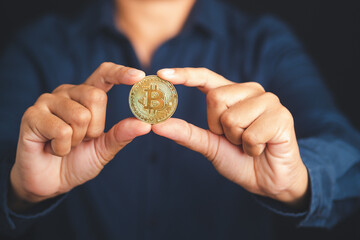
column 154, row 188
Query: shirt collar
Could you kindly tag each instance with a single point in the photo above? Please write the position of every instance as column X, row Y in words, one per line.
column 206, row 15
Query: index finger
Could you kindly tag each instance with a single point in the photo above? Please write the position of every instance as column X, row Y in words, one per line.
column 108, row 74
column 202, row 78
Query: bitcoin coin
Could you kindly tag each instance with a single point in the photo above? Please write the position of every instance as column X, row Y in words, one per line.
column 153, row 100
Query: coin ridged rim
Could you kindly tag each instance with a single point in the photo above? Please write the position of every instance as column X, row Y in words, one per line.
column 147, row 119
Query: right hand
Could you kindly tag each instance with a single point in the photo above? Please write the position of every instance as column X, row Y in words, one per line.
column 62, row 143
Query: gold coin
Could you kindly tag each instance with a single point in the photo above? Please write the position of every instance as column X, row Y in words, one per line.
column 153, row 100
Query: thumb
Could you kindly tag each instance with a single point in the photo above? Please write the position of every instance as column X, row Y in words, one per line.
column 228, row 159
column 190, row 136
column 110, row 143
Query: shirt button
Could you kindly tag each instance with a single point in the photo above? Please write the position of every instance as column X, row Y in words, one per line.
column 153, row 158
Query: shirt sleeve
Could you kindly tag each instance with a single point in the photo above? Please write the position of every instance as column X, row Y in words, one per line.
column 329, row 145
column 20, row 85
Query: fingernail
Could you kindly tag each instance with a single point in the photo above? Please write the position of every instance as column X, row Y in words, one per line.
column 134, row 72
column 167, row 72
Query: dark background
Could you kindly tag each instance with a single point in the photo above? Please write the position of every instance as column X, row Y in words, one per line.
column 329, row 30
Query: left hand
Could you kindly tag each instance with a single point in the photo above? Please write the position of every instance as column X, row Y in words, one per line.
column 251, row 140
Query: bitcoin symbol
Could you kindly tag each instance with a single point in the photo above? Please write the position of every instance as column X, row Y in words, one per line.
column 153, row 95
column 153, row 99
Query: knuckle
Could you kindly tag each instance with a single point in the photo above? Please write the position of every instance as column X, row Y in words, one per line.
column 62, row 87
column 249, row 138
column 29, row 114
column 82, row 116
column 96, row 95
column 45, row 97
column 187, row 72
column 64, row 132
column 271, row 97
column 285, row 114
column 214, row 97
column 203, row 70
column 256, row 86
column 103, row 67
column 228, row 120
column 105, row 64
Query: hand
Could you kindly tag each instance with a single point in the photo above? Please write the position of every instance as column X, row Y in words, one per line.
column 62, row 143
column 251, row 140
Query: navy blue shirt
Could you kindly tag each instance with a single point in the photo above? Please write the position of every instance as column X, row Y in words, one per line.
column 154, row 188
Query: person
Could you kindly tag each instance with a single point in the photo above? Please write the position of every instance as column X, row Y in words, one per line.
column 78, row 166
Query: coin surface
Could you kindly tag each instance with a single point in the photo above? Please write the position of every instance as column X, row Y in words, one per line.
column 153, row 100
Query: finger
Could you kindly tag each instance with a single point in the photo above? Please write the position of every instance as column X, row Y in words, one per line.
column 272, row 127
column 47, row 127
column 190, row 136
column 201, row 78
column 221, row 93
column 228, row 159
column 108, row 74
column 220, row 99
column 239, row 116
column 71, row 112
column 109, row 144
column 95, row 100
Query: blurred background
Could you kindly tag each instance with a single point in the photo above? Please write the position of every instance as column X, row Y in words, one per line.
column 329, row 30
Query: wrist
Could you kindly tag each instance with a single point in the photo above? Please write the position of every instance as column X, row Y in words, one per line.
column 298, row 194
column 15, row 202
column 18, row 198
